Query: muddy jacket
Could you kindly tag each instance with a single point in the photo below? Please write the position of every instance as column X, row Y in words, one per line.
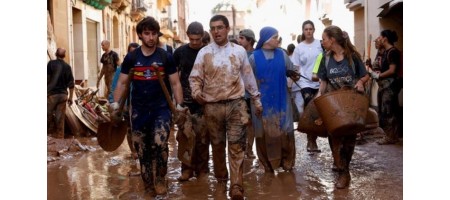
column 222, row 73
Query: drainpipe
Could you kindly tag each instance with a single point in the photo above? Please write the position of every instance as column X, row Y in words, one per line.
column 233, row 10
column 366, row 28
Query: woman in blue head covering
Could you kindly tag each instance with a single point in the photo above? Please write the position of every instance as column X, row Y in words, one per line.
column 275, row 144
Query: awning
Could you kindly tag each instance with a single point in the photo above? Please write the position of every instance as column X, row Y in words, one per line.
column 387, row 7
column 163, row 3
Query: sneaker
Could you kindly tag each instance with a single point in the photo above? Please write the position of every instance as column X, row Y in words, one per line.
column 160, row 187
column 236, row 193
column 343, row 180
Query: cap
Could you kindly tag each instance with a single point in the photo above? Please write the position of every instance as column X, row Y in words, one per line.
column 195, row 28
column 248, row 33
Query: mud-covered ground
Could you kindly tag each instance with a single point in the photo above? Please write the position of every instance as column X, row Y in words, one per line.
column 88, row 172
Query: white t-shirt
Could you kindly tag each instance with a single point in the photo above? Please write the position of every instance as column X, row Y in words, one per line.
column 304, row 56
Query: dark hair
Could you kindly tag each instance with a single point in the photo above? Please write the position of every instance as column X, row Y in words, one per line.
column 342, row 39
column 251, row 40
column 206, row 38
column 220, row 18
column 148, row 23
column 290, row 49
column 132, row 45
column 307, row 22
column 390, row 35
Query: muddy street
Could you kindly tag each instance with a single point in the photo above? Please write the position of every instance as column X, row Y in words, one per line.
column 376, row 171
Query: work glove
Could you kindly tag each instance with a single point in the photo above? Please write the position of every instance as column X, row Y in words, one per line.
column 258, row 108
column 374, row 74
column 295, row 76
column 114, row 112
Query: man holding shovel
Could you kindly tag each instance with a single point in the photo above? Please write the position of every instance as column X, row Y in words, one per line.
column 150, row 113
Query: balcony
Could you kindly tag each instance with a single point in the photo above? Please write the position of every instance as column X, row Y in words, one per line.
column 98, row 4
column 139, row 7
column 120, row 5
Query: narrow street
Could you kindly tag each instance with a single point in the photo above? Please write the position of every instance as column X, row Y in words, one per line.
column 377, row 173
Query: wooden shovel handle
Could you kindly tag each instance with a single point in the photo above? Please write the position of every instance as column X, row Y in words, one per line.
column 126, row 93
column 164, row 88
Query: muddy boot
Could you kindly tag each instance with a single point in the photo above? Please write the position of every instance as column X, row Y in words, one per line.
column 185, row 175
column 311, row 146
column 250, row 155
column 390, row 137
column 221, row 188
column 343, row 180
column 237, row 193
column 150, row 189
column 160, row 186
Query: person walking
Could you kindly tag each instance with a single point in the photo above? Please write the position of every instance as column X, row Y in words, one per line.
column 247, row 39
column 388, row 87
column 304, row 57
column 341, row 67
column 275, row 142
column 110, row 61
column 184, row 57
column 59, row 79
column 218, row 80
column 150, row 113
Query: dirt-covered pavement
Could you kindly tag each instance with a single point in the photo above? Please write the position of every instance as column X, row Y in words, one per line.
column 91, row 173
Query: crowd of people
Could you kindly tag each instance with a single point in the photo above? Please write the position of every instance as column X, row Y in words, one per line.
column 244, row 93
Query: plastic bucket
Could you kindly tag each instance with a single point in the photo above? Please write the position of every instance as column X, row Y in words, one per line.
column 311, row 123
column 343, row 112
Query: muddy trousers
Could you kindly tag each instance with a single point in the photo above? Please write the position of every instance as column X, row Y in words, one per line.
column 200, row 157
column 388, row 108
column 56, row 112
column 249, row 131
column 308, row 95
column 342, row 149
column 108, row 76
column 151, row 144
column 226, row 122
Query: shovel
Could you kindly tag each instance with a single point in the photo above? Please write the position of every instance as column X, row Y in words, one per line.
column 185, row 135
column 110, row 134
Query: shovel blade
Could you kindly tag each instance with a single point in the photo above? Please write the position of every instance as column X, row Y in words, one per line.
column 111, row 135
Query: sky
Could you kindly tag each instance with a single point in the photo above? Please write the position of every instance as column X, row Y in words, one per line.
column 200, row 10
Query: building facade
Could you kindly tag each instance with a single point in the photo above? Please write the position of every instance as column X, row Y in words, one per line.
column 79, row 26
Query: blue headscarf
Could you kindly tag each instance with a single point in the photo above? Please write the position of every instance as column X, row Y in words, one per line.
column 264, row 35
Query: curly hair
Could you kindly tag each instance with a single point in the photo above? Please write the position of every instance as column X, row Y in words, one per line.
column 148, row 23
